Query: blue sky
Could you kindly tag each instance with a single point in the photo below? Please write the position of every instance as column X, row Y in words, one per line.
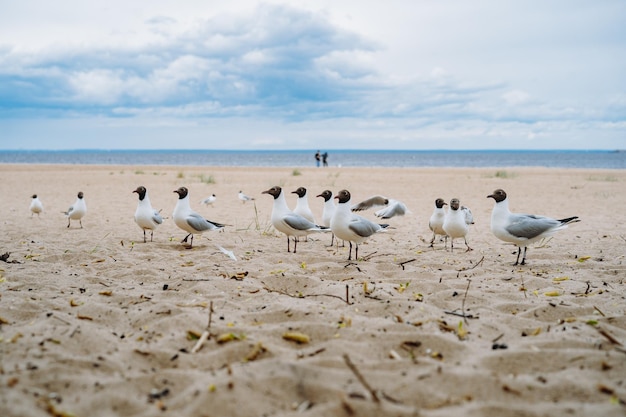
column 331, row 74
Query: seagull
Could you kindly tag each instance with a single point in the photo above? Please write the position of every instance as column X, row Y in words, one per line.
column 390, row 207
column 286, row 221
column 36, row 206
column 188, row 220
column 352, row 227
column 455, row 223
column 328, row 211
column 76, row 210
column 302, row 205
column 209, row 200
column 244, row 197
column 436, row 220
column 146, row 217
column 522, row 229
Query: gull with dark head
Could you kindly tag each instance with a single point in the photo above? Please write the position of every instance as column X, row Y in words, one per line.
column 302, row 205
column 209, row 200
column 188, row 220
column 146, row 217
column 435, row 223
column 243, row 197
column 456, row 223
column 77, row 210
column 328, row 211
column 36, row 207
column 286, row 221
column 349, row 226
column 522, row 229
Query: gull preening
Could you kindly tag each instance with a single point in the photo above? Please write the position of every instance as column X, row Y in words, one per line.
column 36, row 206
column 146, row 217
column 435, row 223
column 244, row 197
column 188, row 220
column 286, row 221
column 351, row 227
column 522, row 229
column 390, row 207
column 209, row 200
column 77, row 210
column 456, row 223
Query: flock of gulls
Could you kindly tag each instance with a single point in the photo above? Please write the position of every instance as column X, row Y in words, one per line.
column 340, row 218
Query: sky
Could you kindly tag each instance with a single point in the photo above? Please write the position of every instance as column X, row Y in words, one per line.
column 323, row 74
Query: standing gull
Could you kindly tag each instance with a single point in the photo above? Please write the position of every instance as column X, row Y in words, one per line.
column 36, row 206
column 435, row 223
column 146, row 217
column 328, row 211
column 76, row 210
column 286, row 221
column 351, row 227
column 522, row 229
column 456, row 223
column 302, row 205
column 244, row 197
column 188, row 220
column 209, row 200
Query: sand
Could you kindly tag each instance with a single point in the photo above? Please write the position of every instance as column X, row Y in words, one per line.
column 94, row 322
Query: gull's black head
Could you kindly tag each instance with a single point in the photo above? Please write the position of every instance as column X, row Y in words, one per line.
column 80, row 194
column 327, row 194
column 301, row 191
column 141, row 191
column 34, row 195
column 274, row 191
column 455, row 204
column 343, row 196
column 498, row 195
column 439, row 203
column 182, row 192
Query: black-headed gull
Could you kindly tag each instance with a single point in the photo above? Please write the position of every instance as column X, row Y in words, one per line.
column 522, row 229
column 435, row 223
column 146, row 217
column 351, row 227
column 286, row 221
column 244, row 197
column 390, row 207
column 77, row 210
column 328, row 210
column 36, row 206
column 302, row 205
column 455, row 224
column 188, row 220
column 209, row 200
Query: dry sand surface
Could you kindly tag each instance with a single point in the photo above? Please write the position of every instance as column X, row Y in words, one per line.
column 94, row 322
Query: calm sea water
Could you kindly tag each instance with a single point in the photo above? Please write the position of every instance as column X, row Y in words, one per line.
column 346, row 158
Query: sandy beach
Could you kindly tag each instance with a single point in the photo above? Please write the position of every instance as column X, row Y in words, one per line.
column 94, row 322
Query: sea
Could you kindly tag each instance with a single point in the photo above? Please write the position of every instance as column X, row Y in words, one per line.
column 598, row 159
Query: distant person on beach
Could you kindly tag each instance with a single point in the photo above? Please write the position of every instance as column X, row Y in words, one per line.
column 317, row 158
column 325, row 159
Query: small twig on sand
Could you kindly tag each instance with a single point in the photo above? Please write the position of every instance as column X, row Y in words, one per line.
column 205, row 334
column 358, row 375
column 406, row 262
column 477, row 263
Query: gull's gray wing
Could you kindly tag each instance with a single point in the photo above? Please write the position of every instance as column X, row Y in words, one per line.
column 469, row 218
column 530, row 226
column 201, row 224
column 363, row 227
column 374, row 201
column 156, row 217
column 298, row 222
column 395, row 208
